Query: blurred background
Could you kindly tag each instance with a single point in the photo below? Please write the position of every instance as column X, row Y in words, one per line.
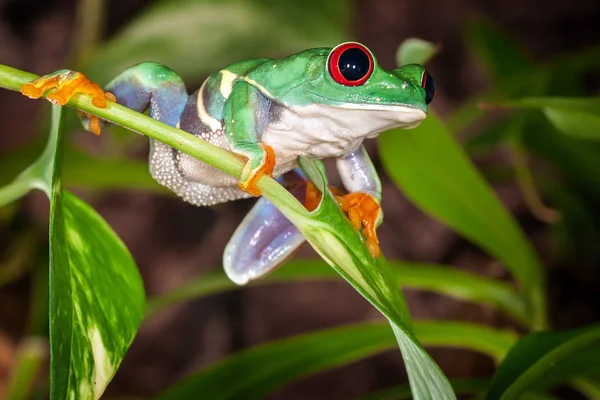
column 174, row 243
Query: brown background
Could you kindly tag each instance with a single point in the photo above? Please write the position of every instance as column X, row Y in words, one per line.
column 172, row 242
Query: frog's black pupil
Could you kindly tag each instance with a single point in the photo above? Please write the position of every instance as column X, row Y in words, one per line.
column 429, row 88
column 354, row 64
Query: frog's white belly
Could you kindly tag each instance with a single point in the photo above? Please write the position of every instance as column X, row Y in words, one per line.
column 321, row 131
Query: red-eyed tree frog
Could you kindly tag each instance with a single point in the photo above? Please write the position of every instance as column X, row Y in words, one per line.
column 318, row 103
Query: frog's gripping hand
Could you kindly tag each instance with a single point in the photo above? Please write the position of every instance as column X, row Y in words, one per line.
column 242, row 124
column 66, row 84
column 363, row 210
column 261, row 161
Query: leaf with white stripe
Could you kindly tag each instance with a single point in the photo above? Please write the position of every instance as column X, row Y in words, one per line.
column 96, row 294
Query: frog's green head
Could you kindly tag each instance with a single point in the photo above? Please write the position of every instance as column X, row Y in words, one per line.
column 349, row 77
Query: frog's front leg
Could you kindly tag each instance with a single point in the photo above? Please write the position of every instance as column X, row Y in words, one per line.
column 362, row 203
column 146, row 85
column 243, row 110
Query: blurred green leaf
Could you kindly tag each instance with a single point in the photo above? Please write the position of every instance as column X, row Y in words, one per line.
column 552, row 77
column 576, row 233
column 258, row 371
column 546, row 357
column 464, row 335
column 82, row 170
column 500, row 54
column 434, row 172
column 37, row 175
column 415, row 51
column 577, row 159
column 466, row 386
column 196, row 38
column 96, row 293
column 489, row 137
column 577, row 117
column 31, row 359
column 589, row 387
column 435, row 278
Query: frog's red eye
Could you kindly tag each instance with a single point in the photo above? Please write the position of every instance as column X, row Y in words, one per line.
column 350, row 64
column 428, row 84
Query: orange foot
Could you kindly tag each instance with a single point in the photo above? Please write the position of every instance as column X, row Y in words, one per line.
column 363, row 210
column 266, row 168
column 68, row 83
column 313, row 195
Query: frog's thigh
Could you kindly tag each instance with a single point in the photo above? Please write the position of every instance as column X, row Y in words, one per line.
column 189, row 178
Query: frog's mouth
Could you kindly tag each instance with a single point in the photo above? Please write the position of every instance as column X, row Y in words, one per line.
column 400, row 116
column 402, row 108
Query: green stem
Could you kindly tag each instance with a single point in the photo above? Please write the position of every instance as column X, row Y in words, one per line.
column 528, row 189
column 14, row 190
column 13, row 79
column 31, row 359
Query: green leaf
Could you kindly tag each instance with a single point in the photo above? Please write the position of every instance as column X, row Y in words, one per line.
column 96, row 294
column 434, row 172
column 196, row 38
column 500, row 54
column 549, row 77
column 466, row 386
column 589, row 387
column 415, row 51
column 576, row 117
column 258, row 371
column 330, row 233
column 37, row 176
column 83, row 170
column 546, row 357
column 577, row 159
column 489, row 137
column 435, row 278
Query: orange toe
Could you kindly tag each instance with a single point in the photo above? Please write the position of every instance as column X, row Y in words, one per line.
column 363, row 210
column 66, row 85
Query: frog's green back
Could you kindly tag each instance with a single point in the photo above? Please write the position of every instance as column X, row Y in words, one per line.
column 218, row 85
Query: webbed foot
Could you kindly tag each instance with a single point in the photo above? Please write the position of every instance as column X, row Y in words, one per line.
column 261, row 161
column 67, row 83
column 363, row 210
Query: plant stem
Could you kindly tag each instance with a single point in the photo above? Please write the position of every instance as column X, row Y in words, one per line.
column 528, row 189
column 14, row 190
column 13, row 79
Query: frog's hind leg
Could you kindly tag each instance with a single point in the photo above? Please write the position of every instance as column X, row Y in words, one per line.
column 265, row 238
column 155, row 87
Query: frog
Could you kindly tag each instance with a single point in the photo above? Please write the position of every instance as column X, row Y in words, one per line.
column 318, row 103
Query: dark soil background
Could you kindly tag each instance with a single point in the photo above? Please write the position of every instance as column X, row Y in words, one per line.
column 173, row 242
